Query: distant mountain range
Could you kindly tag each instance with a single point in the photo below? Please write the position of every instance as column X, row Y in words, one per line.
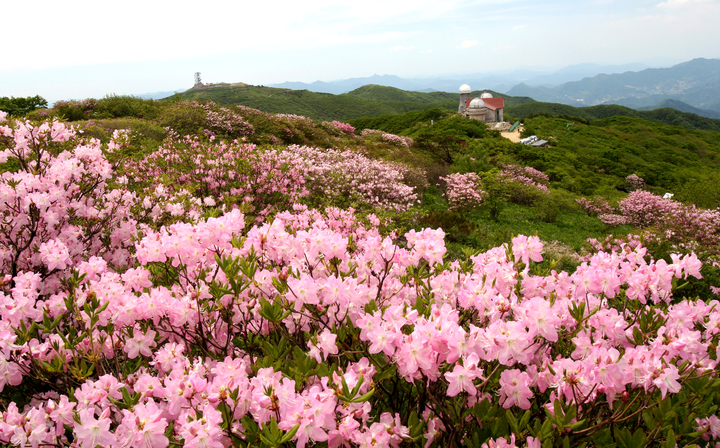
column 159, row 95
column 695, row 83
column 692, row 86
column 500, row 81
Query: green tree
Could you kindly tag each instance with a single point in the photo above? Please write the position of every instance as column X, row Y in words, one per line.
column 443, row 146
column 21, row 106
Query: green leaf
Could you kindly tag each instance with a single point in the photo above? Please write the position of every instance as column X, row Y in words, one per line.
column 512, row 421
column 670, row 441
column 570, row 414
column 290, row 434
column 557, row 407
column 524, row 420
column 416, row 427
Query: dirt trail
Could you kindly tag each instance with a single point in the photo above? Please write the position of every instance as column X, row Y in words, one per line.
column 513, row 136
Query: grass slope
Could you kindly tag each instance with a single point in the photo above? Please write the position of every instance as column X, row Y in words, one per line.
column 367, row 101
column 318, row 106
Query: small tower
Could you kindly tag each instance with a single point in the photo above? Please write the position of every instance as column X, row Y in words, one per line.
column 198, row 81
column 465, row 95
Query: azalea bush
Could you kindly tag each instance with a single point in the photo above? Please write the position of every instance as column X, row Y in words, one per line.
column 595, row 206
column 464, row 191
column 348, row 178
column 314, row 328
column 524, row 184
column 222, row 173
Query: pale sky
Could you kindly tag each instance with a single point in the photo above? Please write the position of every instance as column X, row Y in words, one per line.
column 81, row 48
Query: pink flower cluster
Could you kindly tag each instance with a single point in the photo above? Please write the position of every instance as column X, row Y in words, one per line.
column 675, row 222
column 229, row 173
column 220, row 294
column 595, row 206
column 644, row 209
column 635, row 181
column 58, row 208
column 224, row 120
column 349, row 177
column 397, row 140
column 612, row 243
column 527, row 176
column 308, row 328
column 339, row 128
column 464, row 191
column 613, row 219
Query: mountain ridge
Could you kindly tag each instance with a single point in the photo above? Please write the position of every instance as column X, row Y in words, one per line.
column 695, row 82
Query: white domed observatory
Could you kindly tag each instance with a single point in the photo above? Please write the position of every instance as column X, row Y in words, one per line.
column 465, row 95
column 485, row 108
column 476, row 109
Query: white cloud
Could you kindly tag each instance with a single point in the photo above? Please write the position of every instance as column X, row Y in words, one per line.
column 518, row 27
column 426, row 51
column 468, row 44
column 402, row 48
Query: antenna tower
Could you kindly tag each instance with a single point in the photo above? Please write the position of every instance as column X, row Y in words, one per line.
column 197, row 78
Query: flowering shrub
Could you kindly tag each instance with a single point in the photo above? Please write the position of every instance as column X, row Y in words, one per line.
column 527, row 176
column 635, row 181
column 644, row 209
column 58, row 209
column 523, row 183
column 595, row 206
column 338, row 128
column 290, row 332
column 371, row 132
column 75, row 110
column 689, row 226
column 612, row 243
column 397, row 140
column 226, row 121
column 464, row 191
column 314, row 328
column 265, row 180
column 613, row 219
column 347, row 177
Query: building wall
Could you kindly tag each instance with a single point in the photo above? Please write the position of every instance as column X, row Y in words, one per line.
column 463, row 100
column 477, row 114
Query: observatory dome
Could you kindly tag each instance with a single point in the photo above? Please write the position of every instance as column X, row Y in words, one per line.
column 486, row 95
column 476, row 103
column 465, row 88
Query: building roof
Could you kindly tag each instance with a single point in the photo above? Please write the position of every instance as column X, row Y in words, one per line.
column 539, row 143
column 465, row 88
column 494, row 103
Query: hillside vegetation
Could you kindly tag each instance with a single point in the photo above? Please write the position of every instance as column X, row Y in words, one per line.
column 366, row 101
column 318, row 106
column 665, row 115
column 375, row 101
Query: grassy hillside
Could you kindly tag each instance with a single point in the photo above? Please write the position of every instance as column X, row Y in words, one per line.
column 383, row 93
column 587, row 157
column 665, row 115
column 318, row 106
column 366, row 101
